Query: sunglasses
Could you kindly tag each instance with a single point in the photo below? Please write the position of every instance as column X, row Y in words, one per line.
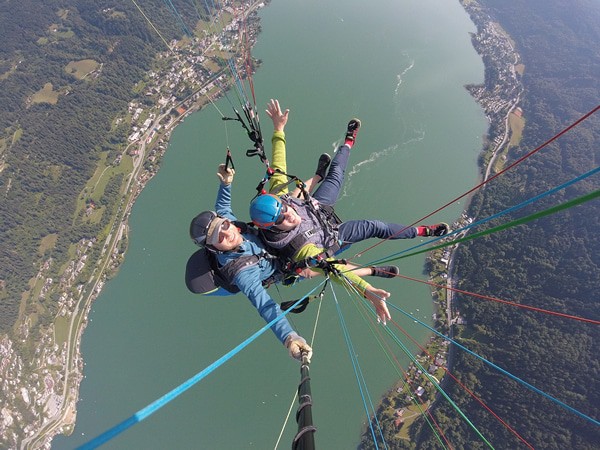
column 224, row 227
column 281, row 217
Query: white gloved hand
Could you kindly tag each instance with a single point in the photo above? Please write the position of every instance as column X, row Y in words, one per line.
column 297, row 346
column 225, row 174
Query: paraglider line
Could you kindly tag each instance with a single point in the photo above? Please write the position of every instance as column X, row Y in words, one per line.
column 168, row 397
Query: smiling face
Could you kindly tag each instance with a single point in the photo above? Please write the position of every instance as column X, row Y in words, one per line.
column 288, row 219
column 229, row 237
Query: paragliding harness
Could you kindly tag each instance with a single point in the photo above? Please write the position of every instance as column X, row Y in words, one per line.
column 327, row 220
column 289, row 271
column 324, row 214
column 204, row 274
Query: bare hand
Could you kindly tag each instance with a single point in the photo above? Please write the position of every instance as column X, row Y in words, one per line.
column 225, row 174
column 278, row 117
column 298, row 347
column 307, row 273
column 378, row 297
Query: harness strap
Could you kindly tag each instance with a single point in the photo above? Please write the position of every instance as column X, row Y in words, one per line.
column 292, row 179
column 322, row 261
column 229, row 160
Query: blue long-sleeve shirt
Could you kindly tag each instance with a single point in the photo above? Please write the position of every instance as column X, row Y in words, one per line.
column 249, row 279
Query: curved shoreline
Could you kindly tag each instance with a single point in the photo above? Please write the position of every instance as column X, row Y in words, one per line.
column 74, row 364
column 149, row 144
column 498, row 102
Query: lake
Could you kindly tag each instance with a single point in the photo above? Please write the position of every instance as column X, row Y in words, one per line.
column 400, row 67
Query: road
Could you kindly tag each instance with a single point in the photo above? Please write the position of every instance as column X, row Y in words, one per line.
column 82, row 308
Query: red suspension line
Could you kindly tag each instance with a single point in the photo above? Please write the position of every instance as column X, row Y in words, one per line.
column 471, row 393
column 406, row 377
column 506, row 302
column 518, row 161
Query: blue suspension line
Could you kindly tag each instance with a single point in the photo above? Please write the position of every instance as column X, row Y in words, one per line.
column 438, row 387
column 173, row 394
column 208, row 11
column 198, row 13
column 500, row 369
column 238, row 82
column 429, row 377
column 501, row 213
column 358, row 374
column 171, row 6
column 388, row 355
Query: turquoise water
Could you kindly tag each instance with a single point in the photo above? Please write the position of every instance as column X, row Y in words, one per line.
column 400, row 66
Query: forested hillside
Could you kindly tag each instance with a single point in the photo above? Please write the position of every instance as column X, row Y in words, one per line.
column 67, row 71
column 551, row 263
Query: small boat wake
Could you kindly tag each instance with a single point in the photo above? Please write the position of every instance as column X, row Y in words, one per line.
column 373, row 157
column 399, row 77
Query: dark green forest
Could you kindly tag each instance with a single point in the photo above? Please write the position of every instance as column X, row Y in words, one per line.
column 49, row 150
column 552, row 263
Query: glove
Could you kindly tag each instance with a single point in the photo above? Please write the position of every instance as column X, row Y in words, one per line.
column 297, row 346
column 225, row 174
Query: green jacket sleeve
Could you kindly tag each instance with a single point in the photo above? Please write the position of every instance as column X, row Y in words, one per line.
column 310, row 250
column 278, row 161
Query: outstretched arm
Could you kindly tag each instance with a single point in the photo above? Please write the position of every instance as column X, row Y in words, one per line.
column 278, row 159
column 223, row 202
column 375, row 295
column 249, row 282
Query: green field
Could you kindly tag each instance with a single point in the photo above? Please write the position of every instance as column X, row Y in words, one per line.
column 80, row 69
column 45, row 95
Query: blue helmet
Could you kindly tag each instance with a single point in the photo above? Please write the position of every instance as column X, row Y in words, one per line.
column 265, row 210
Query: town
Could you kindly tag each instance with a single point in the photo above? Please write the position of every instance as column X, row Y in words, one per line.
column 42, row 396
column 420, row 386
column 42, row 392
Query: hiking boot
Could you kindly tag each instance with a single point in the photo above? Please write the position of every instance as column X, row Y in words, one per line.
column 385, row 271
column 323, row 165
column 439, row 229
column 352, row 130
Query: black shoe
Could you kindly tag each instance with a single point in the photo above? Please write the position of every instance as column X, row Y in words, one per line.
column 439, row 229
column 352, row 130
column 385, row 271
column 323, row 165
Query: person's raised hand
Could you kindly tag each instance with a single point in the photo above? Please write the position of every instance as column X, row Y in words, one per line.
column 278, row 117
column 225, row 174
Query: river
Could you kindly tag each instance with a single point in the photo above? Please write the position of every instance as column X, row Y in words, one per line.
column 398, row 65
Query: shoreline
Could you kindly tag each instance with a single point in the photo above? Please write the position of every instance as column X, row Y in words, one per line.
column 498, row 103
column 60, row 417
column 111, row 260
